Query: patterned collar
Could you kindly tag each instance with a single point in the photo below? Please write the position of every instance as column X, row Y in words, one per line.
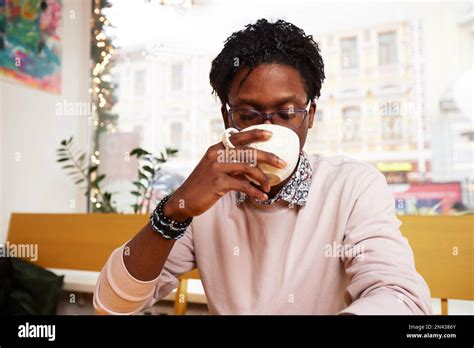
column 295, row 190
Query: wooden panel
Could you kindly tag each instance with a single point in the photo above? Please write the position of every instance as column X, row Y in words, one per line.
column 74, row 241
column 194, row 274
column 435, row 241
column 181, row 300
column 85, row 241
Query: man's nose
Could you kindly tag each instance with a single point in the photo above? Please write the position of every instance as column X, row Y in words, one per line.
column 267, row 119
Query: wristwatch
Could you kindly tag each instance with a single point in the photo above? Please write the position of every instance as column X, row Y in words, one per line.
column 165, row 226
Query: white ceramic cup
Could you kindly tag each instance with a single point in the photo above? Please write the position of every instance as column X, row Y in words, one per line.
column 284, row 143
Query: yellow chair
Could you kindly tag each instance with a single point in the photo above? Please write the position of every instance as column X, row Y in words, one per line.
column 443, row 248
column 82, row 241
column 442, row 245
column 181, row 301
column 74, row 241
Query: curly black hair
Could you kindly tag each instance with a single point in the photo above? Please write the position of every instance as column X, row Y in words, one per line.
column 265, row 42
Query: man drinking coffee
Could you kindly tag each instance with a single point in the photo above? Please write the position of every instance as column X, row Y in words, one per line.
column 323, row 240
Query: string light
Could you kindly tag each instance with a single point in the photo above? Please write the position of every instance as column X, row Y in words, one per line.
column 100, row 90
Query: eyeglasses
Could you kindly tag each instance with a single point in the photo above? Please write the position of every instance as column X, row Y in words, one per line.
column 290, row 118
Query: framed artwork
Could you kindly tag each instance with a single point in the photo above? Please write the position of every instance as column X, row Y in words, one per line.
column 30, row 45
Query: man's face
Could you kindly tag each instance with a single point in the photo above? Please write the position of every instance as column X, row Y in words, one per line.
column 268, row 88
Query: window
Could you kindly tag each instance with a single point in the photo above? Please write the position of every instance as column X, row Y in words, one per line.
column 139, row 83
column 176, row 135
column 349, row 57
column 318, row 116
column 368, row 103
column 367, row 35
column 392, row 131
column 317, row 133
column 177, row 77
column 216, row 128
column 392, row 126
column 116, row 76
column 351, row 123
column 388, row 48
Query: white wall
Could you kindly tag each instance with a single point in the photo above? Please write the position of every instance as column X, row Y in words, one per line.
column 30, row 127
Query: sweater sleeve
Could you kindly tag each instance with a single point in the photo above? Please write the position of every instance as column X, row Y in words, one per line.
column 381, row 267
column 118, row 292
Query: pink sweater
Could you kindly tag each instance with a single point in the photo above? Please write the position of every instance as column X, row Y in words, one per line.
column 341, row 253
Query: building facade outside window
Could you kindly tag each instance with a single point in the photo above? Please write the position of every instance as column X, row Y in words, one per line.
column 349, row 53
column 387, row 43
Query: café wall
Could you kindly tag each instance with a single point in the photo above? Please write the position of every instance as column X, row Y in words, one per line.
column 31, row 129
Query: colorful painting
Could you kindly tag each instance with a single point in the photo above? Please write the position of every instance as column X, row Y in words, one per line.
column 30, row 47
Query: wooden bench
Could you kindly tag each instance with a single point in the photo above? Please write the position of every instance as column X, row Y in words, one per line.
column 82, row 243
column 444, row 249
column 78, row 245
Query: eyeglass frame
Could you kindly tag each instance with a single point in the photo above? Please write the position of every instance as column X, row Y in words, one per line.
column 267, row 115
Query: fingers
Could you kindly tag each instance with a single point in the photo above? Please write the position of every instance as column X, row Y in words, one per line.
column 247, row 137
column 255, row 157
column 250, row 170
column 245, row 187
column 268, row 158
column 245, row 154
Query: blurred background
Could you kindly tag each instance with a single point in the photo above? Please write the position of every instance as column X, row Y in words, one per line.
column 398, row 92
column 105, row 106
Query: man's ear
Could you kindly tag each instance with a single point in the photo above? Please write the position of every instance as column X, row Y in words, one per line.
column 311, row 112
column 225, row 116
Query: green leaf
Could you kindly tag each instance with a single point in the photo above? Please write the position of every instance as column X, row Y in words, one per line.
column 141, row 175
column 64, row 142
column 139, row 152
column 93, row 168
column 170, row 151
column 79, row 181
column 134, row 151
column 62, row 159
column 135, row 193
column 69, row 141
column 139, row 184
column 149, row 169
column 100, row 178
column 68, row 166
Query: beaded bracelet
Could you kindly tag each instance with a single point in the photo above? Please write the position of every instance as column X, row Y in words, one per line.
column 167, row 227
